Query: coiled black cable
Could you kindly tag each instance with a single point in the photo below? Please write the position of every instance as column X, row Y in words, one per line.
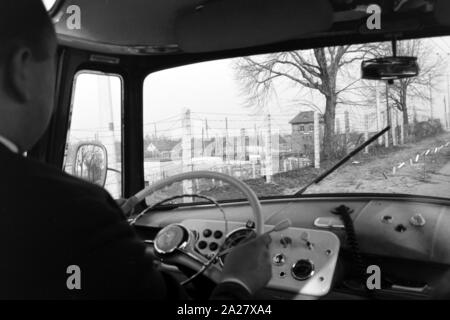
column 344, row 213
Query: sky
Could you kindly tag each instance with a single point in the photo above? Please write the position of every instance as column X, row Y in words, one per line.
column 210, row 89
column 212, row 94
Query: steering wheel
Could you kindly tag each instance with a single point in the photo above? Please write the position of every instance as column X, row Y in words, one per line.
column 174, row 244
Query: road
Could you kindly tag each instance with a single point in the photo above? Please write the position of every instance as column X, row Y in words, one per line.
column 439, row 182
column 429, row 176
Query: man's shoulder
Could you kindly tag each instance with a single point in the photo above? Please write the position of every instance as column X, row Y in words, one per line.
column 28, row 173
column 59, row 178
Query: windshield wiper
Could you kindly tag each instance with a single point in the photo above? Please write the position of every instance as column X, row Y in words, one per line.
column 341, row 162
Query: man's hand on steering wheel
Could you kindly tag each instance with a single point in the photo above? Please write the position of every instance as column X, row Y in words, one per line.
column 249, row 264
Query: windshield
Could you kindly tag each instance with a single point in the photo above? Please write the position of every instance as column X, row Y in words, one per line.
column 279, row 120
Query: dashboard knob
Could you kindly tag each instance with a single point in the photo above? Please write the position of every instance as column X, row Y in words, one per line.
column 417, row 220
column 285, row 241
column 250, row 224
column 213, row 246
column 302, row 270
column 305, row 236
column 279, row 259
column 202, row 245
column 207, row 233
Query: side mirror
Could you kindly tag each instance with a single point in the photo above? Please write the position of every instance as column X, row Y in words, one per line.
column 91, row 162
column 390, row 68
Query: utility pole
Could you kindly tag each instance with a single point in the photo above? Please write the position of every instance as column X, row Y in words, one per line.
column 347, row 127
column 431, row 97
column 446, row 114
column 394, row 132
column 112, row 141
column 203, row 142
column 402, row 132
column 448, row 97
column 377, row 99
column 226, row 127
column 227, row 142
column 186, row 145
column 388, row 115
column 268, row 150
column 242, row 148
column 317, row 139
column 366, row 131
column 156, row 131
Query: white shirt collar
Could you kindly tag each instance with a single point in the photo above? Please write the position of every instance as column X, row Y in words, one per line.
column 10, row 145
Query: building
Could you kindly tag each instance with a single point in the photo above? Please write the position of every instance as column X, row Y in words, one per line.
column 160, row 149
column 302, row 141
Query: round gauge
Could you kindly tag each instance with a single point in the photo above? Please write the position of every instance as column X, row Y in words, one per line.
column 170, row 238
column 235, row 238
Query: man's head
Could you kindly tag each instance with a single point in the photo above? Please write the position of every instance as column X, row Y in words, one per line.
column 27, row 71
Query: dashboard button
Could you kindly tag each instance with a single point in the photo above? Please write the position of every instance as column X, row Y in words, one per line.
column 218, row 234
column 418, row 220
column 285, row 241
column 213, row 246
column 207, row 233
column 250, row 224
column 302, row 270
column 279, row 259
column 202, row 245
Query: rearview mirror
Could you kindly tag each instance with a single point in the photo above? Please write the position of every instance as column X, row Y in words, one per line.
column 91, row 163
column 390, row 68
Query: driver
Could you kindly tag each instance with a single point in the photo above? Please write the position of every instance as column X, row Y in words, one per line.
column 60, row 237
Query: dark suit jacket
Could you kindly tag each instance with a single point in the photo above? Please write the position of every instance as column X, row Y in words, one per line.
column 50, row 221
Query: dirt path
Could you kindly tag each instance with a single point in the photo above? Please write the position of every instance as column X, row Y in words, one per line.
column 428, row 176
column 440, row 181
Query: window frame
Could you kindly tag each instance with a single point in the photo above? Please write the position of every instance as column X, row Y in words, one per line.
column 122, row 110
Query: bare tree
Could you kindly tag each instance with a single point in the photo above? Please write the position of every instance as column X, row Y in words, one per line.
column 315, row 69
column 91, row 159
column 431, row 71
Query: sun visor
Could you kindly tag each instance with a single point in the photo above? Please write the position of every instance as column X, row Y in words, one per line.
column 442, row 12
column 233, row 24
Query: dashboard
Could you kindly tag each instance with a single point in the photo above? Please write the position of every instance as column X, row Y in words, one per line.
column 303, row 260
column 408, row 238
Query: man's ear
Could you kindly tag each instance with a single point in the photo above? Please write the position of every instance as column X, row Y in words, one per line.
column 18, row 74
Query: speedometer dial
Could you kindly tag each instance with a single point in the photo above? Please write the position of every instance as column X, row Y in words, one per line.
column 235, row 238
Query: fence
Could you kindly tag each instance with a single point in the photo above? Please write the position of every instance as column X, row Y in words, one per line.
column 244, row 149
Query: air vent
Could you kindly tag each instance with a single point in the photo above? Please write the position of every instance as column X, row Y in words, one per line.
column 104, row 59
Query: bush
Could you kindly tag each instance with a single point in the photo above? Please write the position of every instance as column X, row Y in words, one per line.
column 425, row 129
column 343, row 144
